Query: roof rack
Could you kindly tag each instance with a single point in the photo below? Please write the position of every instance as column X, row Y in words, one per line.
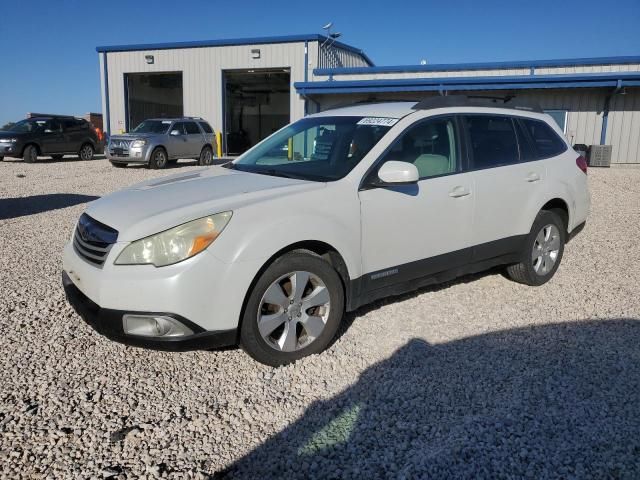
column 508, row 101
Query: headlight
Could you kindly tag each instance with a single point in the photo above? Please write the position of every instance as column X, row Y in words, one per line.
column 138, row 143
column 176, row 244
column 8, row 140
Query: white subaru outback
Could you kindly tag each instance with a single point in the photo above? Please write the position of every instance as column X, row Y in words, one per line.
column 332, row 212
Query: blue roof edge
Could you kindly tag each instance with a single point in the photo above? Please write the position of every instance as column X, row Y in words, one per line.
column 229, row 42
column 565, row 62
column 469, row 83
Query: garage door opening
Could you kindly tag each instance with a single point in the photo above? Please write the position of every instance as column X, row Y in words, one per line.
column 256, row 105
column 153, row 95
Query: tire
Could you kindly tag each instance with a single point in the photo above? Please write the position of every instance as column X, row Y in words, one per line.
column 118, row 165
column 290, row 317
column 543, row 251
column 30, row 154
column 158, row 159
column 86, row 152
column 206, row 156
column 57, row 157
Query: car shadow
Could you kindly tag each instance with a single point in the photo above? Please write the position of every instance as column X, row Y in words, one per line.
column 21, row 206
column 350, row 317
column 554, row 401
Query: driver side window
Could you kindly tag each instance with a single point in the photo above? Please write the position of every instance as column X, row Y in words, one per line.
column 430, row 145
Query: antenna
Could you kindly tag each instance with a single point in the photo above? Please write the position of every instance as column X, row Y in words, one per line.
column 328, row 26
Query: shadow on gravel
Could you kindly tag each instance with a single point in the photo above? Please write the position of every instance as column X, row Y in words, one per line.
column 556, row 401
column 19, row 207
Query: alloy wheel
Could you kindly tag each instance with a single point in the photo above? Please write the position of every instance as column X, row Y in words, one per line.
column 293, row 311
column 546, row 248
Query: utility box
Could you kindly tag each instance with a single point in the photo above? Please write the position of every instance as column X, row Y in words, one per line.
column 600, row 155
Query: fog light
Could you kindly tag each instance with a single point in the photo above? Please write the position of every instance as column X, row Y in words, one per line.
column 154, row 326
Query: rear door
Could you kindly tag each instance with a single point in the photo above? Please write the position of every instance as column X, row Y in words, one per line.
column 503, row 182
column 73, row 134
column 52, row 137
column 195, row 139
column 177, row 144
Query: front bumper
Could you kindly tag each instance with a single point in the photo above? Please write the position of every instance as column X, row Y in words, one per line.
column 108, row 322
column 133, row 155
column 10, row 149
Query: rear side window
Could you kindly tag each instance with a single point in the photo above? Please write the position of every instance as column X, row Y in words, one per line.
column 191, row 128
column 546, row 141
column 493, row 140
column 206, row 128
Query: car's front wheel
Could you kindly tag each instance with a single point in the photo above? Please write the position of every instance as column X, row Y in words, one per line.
column 294, row 309
column 30, row 154
column 543, row 250
column 158, row 159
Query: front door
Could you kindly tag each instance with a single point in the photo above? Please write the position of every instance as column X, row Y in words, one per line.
column 417, row 230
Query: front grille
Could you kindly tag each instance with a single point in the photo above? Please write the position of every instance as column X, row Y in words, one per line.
column 92, row 240
column 119, row 148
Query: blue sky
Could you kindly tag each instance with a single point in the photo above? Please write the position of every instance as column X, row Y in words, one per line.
column 49, row 61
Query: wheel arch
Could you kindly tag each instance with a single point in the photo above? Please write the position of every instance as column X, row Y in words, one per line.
column 31, row 144
column 560, row 207
column 315, row 247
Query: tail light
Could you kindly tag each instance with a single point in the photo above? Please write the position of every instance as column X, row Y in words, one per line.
column 99, row 133
column 581, row 162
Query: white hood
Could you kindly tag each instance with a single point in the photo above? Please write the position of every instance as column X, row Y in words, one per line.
column 156, row 205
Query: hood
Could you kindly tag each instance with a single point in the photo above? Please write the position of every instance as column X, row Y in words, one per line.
column 10, row 134
column 162, row 203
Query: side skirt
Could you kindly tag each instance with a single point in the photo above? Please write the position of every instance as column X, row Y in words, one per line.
column 412, row 276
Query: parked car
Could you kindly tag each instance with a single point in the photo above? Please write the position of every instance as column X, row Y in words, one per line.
column 374, row 200
column 52, row 136
column 160, row 141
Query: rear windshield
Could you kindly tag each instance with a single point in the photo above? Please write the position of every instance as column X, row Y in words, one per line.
column 153, row 126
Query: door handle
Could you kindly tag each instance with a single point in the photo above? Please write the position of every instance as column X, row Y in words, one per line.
column 459, row 191
column 532, row 177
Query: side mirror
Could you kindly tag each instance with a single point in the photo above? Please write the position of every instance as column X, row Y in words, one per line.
column 398, row 173
column 175, row 133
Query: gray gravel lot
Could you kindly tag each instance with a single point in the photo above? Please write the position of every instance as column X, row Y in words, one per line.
column 479, row 378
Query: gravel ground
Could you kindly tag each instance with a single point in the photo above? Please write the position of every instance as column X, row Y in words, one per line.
column 479, row 378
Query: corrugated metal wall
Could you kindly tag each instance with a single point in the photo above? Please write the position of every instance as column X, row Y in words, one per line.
column 584, row 117
column 202, row 75
column 335, row 57
column 623, row 128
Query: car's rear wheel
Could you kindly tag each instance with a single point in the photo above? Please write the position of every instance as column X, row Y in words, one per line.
column 86, row 152
column 30, row 154
column 293, row 310
column 158, row 159
column 543, row 250
column 118, row 164
column 206, row 156
column 57, row 157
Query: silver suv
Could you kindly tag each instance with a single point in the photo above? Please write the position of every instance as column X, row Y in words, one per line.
column 160, row 141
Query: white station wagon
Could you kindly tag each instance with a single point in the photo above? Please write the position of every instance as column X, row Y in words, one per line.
column 331, row 212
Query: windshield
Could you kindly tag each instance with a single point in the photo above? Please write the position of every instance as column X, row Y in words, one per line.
column 31, row 125
column 153, row 126
column 317, row 148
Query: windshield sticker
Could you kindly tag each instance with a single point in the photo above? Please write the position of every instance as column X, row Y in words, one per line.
column 166, row 122
column 380, row 121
